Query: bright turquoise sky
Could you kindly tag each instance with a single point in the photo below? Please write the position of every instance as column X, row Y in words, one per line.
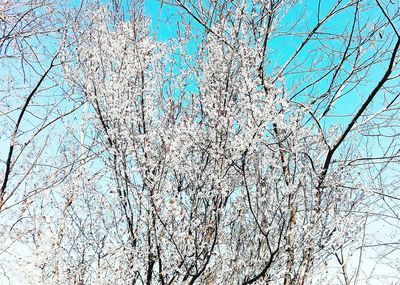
column 283, row 46
column 165, row 22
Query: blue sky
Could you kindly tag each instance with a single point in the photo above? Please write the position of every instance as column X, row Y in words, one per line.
column 165, row 23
